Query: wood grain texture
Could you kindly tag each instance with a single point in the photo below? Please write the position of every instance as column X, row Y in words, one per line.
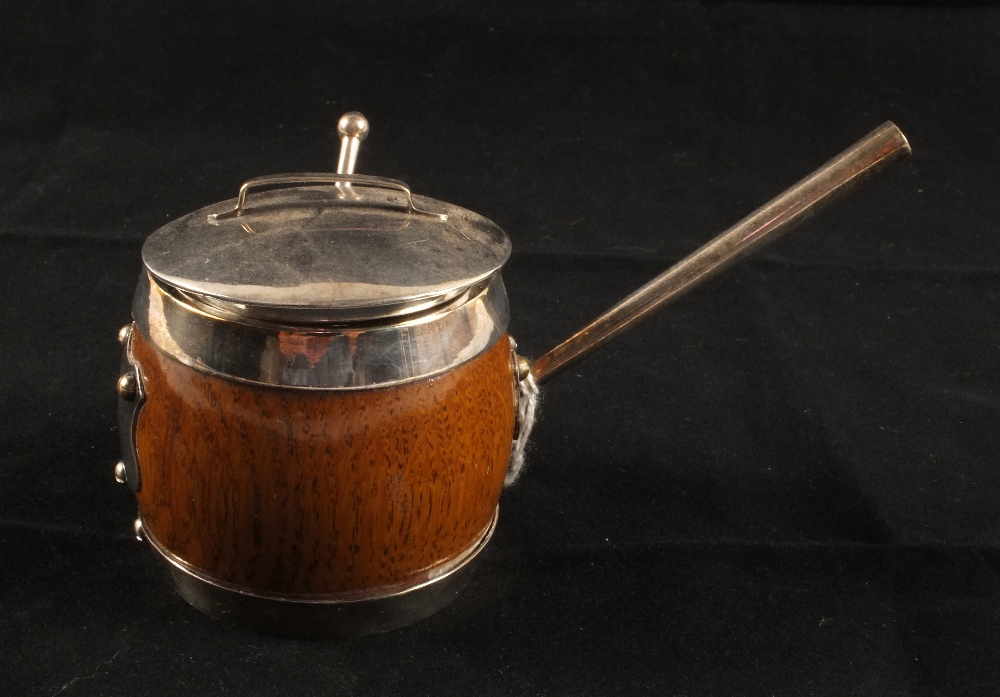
column 301, row 492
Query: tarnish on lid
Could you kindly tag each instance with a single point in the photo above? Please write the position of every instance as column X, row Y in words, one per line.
column 344, row 247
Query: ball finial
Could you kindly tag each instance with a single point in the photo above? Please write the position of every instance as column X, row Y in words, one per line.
column 353, row 125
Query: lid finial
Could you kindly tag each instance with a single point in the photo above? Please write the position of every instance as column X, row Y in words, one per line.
column 353, row 128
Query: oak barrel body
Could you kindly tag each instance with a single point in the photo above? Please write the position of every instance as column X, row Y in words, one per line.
column 326, row 494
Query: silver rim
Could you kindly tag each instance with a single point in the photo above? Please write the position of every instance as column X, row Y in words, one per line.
column 322, row 357
column 325, row 616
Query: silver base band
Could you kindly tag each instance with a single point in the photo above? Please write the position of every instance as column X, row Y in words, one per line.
column 323, row 617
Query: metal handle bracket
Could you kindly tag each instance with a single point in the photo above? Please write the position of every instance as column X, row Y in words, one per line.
column 131, row 396
column 318, row 178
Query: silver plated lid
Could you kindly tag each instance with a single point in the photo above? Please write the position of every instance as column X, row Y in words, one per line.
column 336, row 247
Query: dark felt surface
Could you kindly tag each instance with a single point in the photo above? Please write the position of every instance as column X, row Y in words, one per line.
column 786, row 484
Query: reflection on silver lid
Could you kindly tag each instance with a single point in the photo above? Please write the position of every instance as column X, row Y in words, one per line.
column 336, row 247
column 359, row 255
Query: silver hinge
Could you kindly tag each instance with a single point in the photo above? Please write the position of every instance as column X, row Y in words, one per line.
column 131, row 396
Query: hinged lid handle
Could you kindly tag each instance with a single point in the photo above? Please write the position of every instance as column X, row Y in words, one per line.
column 353, row 128
column 272, row 180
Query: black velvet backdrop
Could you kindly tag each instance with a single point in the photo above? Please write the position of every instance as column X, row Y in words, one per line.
column 786, row 484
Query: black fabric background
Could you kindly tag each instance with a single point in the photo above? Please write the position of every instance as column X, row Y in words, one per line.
column 786, row 484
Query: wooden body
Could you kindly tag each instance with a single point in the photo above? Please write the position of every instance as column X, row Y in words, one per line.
column 305, row 492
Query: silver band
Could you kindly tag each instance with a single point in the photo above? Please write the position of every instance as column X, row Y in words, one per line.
column 320, row 356
column 326, row 617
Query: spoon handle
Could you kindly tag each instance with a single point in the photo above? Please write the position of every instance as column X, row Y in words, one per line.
column 878, row 150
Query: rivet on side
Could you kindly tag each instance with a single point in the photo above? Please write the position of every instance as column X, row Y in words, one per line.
column 127, row 387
